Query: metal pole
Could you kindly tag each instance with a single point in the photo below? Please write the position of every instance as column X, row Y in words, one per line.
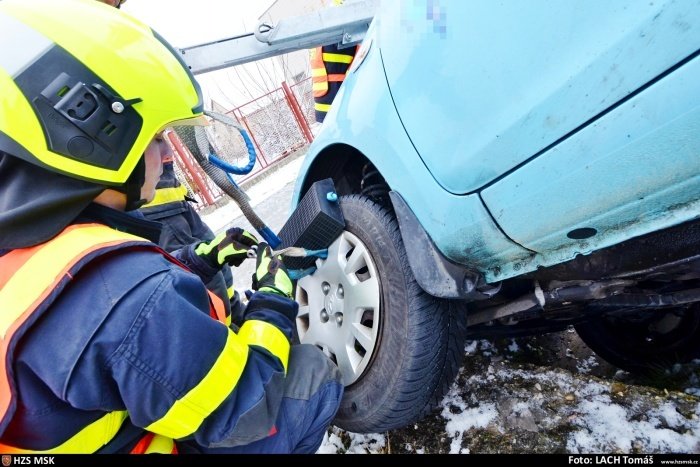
column 296, row 110
column 345, row 25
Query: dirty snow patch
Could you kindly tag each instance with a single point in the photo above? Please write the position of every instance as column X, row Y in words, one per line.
column 585, row 366
column 470, row 348
column 331, row 444
column 339, row 441
column 664, row 429
column 513, row 347
column 461, row 419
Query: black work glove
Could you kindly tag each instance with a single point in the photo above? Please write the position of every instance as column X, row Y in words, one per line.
column 270, row 273
column 230, row 247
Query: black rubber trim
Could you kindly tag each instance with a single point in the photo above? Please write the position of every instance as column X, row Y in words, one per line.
column 436, row 274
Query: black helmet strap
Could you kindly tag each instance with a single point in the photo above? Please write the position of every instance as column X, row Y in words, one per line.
column 132, row 187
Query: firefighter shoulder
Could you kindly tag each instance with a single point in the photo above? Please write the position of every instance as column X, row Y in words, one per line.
column 109, row 344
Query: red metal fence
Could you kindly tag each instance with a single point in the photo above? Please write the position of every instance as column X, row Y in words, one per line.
column 278, row 124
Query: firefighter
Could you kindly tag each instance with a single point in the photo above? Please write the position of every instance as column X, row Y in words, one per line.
column 109, row 344
column 182, row 226
column 329, row 64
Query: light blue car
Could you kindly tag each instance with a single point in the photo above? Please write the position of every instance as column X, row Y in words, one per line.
column 508, row 168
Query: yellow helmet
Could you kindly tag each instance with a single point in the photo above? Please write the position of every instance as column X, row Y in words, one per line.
column 85, row 87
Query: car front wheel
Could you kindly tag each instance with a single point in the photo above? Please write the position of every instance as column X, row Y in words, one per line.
column 397, row 347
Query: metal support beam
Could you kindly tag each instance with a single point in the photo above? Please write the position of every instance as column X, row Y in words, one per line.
column 344, row 25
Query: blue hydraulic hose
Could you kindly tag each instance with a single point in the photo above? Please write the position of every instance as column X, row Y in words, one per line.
column 296, row 274
column 229, row 168
column 270, row 237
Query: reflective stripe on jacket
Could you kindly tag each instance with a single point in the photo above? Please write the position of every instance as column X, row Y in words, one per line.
column 329, row 65
column 32, row 279
column 170, row 194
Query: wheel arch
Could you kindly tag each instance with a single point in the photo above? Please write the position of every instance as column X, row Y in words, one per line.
column 435, row 274
column 341, row 162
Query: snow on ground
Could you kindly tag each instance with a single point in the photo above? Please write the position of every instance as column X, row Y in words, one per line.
column 356, row 443
column 461, row 422
column 609, row 427
column 259, row 192
column 500, row 404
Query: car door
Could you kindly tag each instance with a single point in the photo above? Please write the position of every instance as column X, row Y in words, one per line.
column 483, row 87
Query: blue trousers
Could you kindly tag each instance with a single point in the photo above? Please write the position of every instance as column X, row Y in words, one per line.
column 311, row 399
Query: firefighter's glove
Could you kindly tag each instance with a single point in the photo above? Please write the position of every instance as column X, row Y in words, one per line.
column 230, row 247
column 271, row 273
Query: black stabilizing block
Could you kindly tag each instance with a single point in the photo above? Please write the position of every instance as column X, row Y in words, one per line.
column 314, row 224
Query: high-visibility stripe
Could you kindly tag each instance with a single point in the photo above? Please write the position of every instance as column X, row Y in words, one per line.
column 36, row 273
column 322, row 107
column 337, row 58
column 86, row 441
column 37, row 277
column 320, row 90
column 143, row 444
column 323, row 81
column 167, row 195
column 267, row 336
column 27, row 278
column 34, row 45
column 18, row 258
column 230, row 292
column 187, row 414
column 152, row 443
column 318, row 73
column 161, row 445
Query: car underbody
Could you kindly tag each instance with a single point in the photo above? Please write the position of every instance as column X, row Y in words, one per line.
column 655, row 272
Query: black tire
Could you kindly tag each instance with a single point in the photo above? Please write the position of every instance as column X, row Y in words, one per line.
column 640, row 343
column 421, row 338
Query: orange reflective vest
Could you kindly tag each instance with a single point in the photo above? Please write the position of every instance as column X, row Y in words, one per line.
column 329, row 66
column 30, row 280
